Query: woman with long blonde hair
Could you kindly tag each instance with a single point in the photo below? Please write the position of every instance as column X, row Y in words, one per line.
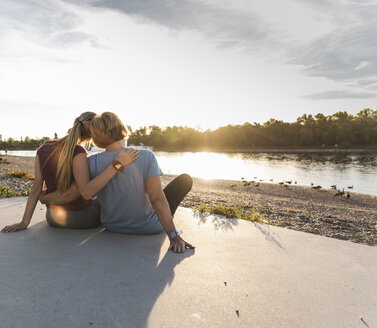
column 62, row 165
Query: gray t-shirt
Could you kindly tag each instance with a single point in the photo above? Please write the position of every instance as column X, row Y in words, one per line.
column 125, row 206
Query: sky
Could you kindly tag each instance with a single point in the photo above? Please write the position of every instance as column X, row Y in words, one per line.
column 199, row 63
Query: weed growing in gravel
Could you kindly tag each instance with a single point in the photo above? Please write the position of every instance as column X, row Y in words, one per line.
column 21, row 174
column 7, row 192
column 232, row 212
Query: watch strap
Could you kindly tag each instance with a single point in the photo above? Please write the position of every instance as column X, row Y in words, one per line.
column 117, row 165
column 174, row 233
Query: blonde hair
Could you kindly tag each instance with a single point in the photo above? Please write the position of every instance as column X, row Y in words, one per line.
column 77, row 134
column 106, row 129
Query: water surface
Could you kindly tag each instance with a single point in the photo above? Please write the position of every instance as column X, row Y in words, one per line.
column 325, row 169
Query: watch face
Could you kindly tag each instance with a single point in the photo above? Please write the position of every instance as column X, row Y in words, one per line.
column 173, row 234
column 118, row 166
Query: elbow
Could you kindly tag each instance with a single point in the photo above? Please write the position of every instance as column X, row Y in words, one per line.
column 35, row 190
column 86, row 195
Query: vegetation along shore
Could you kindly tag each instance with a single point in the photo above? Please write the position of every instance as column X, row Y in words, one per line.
column 337, row 131
column 306, row 209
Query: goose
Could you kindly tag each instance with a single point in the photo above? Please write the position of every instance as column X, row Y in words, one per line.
column 316, row 187
column 348, row 195
column 350, row 187
column 289, row 182
column 333, row 186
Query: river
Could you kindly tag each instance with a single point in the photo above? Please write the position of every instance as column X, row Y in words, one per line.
column 356, row 170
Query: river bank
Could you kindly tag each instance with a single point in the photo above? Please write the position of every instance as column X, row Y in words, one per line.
column 294, row 207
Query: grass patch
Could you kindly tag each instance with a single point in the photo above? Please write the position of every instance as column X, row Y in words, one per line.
column 21, row 174
column 232, row 212
column 7, row 192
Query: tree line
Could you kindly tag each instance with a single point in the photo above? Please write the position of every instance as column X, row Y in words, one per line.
column 337, row 130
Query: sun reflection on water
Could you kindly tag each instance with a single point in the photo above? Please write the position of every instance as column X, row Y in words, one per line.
column 323, row 169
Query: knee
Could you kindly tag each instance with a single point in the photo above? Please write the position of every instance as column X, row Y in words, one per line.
column 186, row 181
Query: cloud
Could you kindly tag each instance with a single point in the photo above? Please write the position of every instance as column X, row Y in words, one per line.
column 346, row 54
column 222, row 25
column 45, row 22
column 341, row 94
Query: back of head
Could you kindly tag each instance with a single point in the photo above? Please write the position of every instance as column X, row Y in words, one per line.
column 106, row 129
column 79, row 132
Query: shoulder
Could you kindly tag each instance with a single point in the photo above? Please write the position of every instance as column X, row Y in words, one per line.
column 45, row 146
column 79, row 150
column 93, row 157
column 147, row 154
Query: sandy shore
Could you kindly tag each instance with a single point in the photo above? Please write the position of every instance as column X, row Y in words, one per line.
column 293, row 207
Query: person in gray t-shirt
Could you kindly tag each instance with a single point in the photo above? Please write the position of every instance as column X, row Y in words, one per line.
column 124, row 202
column 134, row 201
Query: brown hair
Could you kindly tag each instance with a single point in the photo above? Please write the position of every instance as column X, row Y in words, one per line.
column 77, row 134
column 106, row 129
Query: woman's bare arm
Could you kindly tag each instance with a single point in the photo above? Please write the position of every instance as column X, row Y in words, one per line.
column 31, row 202
column 61, row 198
column 88, row 188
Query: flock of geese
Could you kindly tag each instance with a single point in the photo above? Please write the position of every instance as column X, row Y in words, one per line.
column 285, row 183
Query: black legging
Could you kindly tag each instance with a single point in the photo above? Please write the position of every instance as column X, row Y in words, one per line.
column 176, row 190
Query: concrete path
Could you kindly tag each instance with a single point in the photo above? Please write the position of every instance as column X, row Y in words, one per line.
column 241, row 274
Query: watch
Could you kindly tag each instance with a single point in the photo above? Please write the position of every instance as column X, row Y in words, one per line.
column 118, row 165
column 174, row 233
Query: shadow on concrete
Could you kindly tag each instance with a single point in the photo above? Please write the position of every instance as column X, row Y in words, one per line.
column 268, row 234
column 83, row 277
column 219, row 222
column 227, row 224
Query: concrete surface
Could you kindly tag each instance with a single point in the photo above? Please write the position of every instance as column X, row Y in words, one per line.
column 273, row 277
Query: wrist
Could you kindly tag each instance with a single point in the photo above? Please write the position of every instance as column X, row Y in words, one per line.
column 174, row 234
column 117, row 165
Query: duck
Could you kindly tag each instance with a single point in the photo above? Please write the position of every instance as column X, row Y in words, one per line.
column 316, row 187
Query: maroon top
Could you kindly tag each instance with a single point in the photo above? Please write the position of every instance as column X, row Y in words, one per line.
column 50, row 168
